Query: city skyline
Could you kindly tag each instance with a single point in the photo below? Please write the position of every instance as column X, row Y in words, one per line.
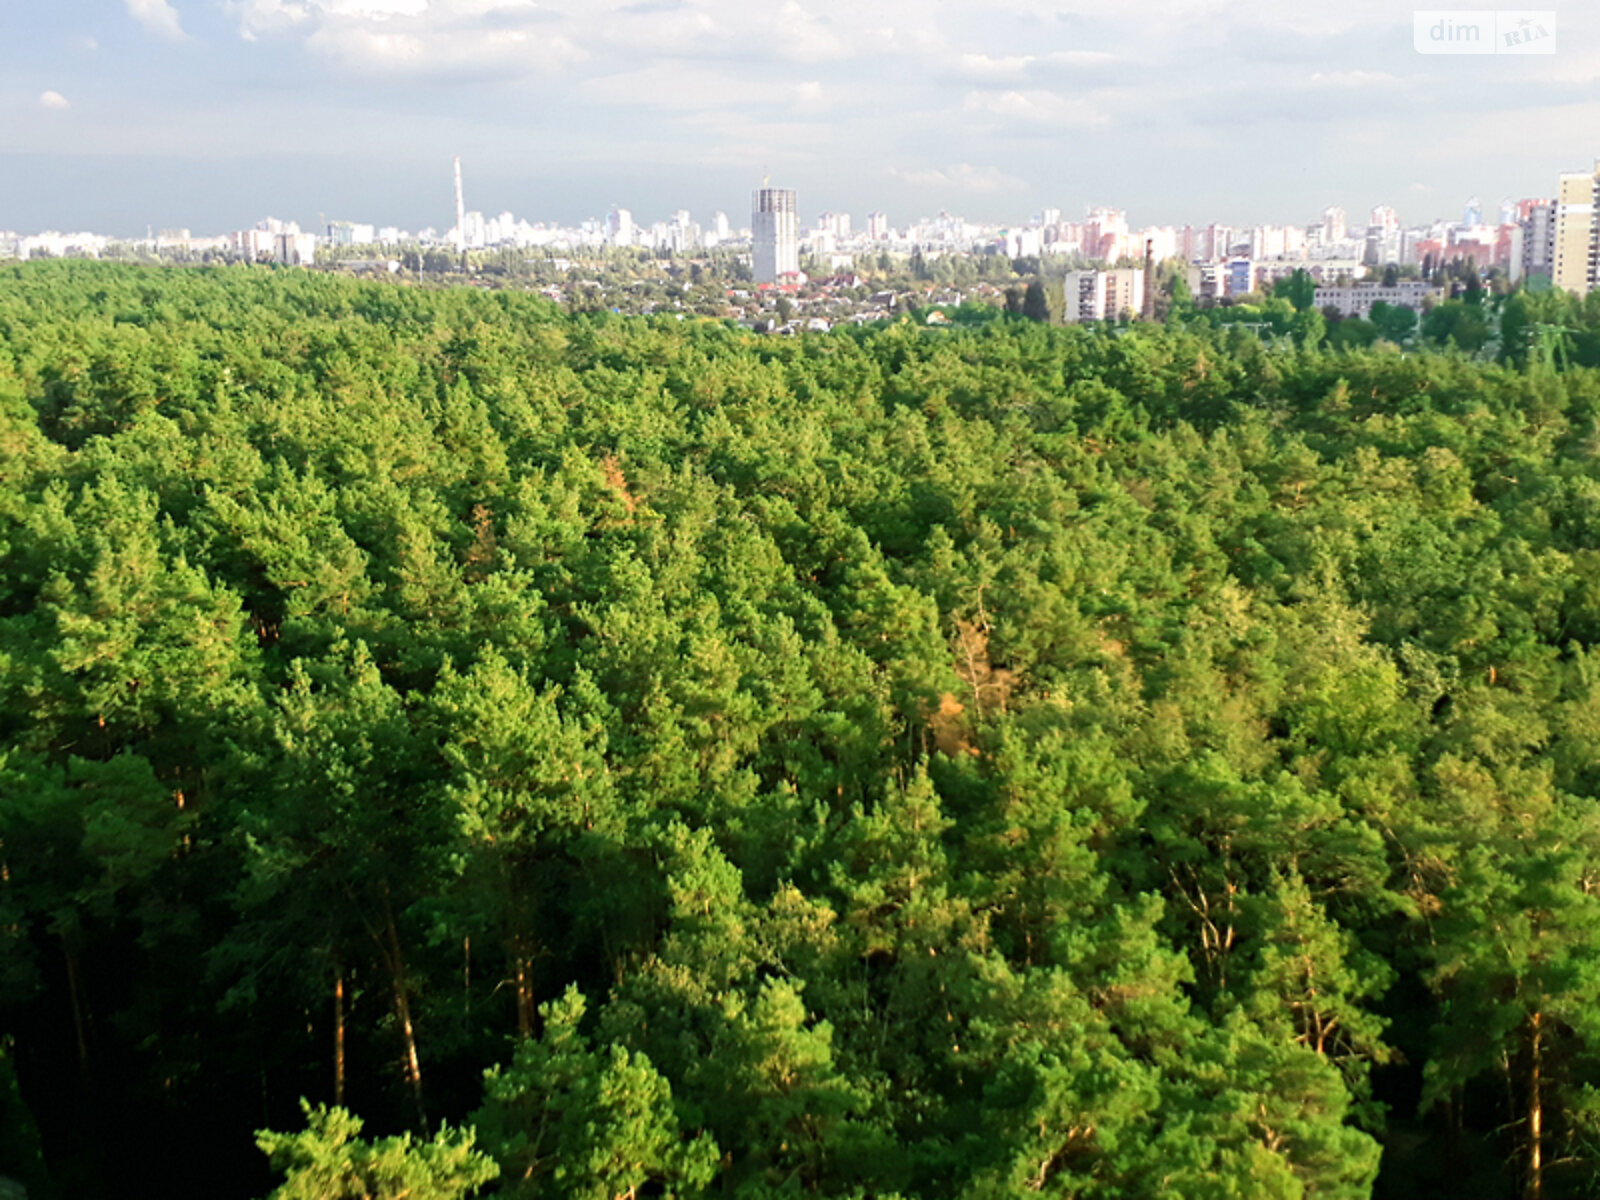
column 208, row 113
column 1470, row 210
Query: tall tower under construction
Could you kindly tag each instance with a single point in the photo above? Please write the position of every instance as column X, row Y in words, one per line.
column 775, row 234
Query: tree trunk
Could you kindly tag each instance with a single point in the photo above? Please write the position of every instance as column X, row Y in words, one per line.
column 76, row 997
column 1535, row 1108
column 402, row 1008
column 523, row 969
column 338, row 1037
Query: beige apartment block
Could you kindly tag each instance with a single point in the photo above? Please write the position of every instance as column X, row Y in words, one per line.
column 1572, row 240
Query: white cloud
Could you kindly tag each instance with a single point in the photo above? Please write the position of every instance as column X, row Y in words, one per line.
column 53, row 100
column 375, row 8
column 803, row 37
column 1353, row 79
column 697, row 87
column 988, row 67
column 1036, row 107
column 257, row 17
column 493, row 38
column 683, row 30
column 1081, row 58
column 371, row 49
column 158, row 17
column 963, row 177
column 397, row 46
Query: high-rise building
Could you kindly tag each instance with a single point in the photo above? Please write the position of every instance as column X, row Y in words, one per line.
column 837, row 224
column 1333, row 224
column 1215, row 242
column 295, row 249
column 619, row 227
column 1573, row 231
column 1164, row 239
column 1472, row 214
column 252, row 245
column 1106, row 234
column 878, row 226
column 350, row 233
column 1537, row 228
column 683, row 234
column 1102, row 295
column 775, row 234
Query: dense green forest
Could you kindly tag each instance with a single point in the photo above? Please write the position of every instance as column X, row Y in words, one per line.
column 600, row 757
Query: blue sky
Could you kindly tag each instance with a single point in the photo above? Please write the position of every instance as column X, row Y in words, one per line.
column 211, row 114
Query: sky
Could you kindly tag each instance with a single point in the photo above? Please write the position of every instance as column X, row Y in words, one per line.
column 116, row 115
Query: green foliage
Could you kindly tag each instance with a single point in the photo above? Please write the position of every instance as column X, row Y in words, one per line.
column 1459, row 323
column 1153, row 761
column 1299, row 289
column 329, row 1161
column 564, row 1119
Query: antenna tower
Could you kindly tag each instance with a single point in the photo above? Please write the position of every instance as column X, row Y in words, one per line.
column 461, row 212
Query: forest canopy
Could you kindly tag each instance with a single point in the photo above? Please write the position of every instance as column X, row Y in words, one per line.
column 451, row 746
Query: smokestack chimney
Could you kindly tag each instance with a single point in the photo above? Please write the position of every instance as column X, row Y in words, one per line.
column 1147, row 310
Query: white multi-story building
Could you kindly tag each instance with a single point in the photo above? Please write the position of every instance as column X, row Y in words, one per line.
column 1213, row 243
column 878, row 226
column 253, row 245
column 1357, row 300
column 1212, row 286
column 1098, row 295
column 347, row 233
column 1105, row 234
column 838, row 224
column 620, row 227
column 683, row 234
column 60, row 245
column 1333, row 225
column 1084, row 294
column 295, row 249
column 1162, row 239
column 1277, row 241
column 775, row 234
